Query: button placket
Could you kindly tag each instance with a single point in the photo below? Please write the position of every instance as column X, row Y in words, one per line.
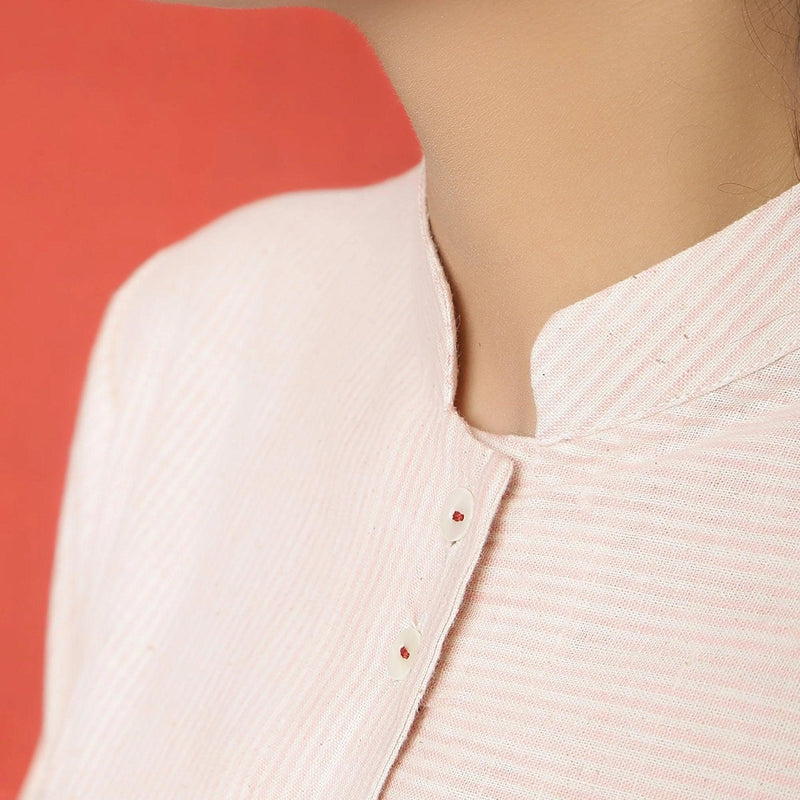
column 455, row 519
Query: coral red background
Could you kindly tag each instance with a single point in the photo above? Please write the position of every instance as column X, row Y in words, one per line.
column 126, row 125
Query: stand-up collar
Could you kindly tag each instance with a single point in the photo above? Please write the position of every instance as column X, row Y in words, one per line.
column 718, row 310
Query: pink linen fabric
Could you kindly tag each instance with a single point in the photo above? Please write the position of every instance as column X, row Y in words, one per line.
column 264, row 455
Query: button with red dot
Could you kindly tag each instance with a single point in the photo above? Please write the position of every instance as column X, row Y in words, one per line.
column 456, row 514
column 403, row 652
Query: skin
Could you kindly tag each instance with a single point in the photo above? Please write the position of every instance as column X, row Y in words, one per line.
column 571, row 145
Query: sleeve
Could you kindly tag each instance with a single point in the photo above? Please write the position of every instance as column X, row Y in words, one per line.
column 83, row 486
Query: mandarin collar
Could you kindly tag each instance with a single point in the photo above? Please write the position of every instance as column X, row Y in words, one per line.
column 718, row 310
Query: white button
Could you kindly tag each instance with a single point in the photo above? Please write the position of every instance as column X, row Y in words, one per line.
column 456, row 514
column 403, row 653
